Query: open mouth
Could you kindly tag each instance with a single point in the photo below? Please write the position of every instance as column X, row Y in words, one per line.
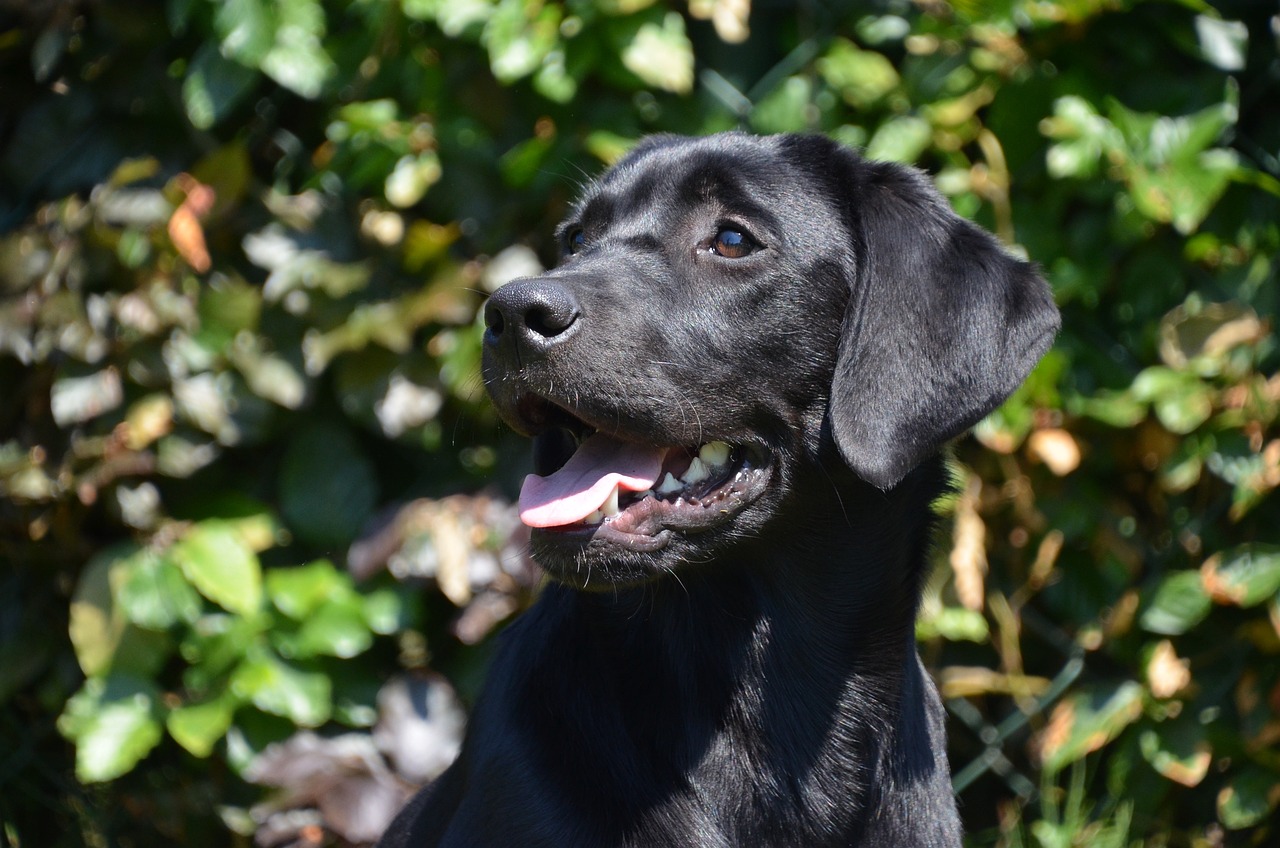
column 633, row 494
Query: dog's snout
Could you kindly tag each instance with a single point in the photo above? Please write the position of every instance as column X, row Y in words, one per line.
column 530, row 315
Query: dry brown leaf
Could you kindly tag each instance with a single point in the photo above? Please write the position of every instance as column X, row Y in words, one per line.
column 185, row 230
column 1167, row 674
column 1056, row 448
column 959, row 681
column 729, row 17
column 969, row 548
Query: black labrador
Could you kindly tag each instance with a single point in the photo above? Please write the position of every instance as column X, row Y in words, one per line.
column 738, row 382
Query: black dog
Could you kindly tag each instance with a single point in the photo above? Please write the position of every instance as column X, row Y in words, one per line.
column 738, row 382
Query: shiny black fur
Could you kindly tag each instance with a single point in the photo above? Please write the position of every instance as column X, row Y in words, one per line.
column 756, row 683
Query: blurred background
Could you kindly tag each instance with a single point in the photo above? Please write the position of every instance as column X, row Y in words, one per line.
column 255, row 527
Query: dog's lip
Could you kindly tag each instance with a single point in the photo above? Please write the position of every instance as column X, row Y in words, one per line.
column 647, row 523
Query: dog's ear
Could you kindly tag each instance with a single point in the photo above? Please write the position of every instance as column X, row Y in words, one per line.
column 942, row 324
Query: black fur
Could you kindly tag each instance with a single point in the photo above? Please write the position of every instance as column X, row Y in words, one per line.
column 752, row 680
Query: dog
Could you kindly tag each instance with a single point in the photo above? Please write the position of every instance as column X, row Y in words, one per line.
column 739, row 381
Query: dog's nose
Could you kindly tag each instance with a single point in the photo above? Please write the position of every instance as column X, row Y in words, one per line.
column 530, row 315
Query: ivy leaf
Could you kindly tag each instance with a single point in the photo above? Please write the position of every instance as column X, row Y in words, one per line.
column 1087, row 720
column 661, row 54
column 103, row 637
column 218, row 562
column 297, row 60
column 900, row 139
column 1244, row 576
column 198, row 727
column 299, row 592
column 1178, row 750
column 1248, row 798
column 155, row 594
column 114, row 723
column 276, row 687
column 214, row 86
column 1179, row 604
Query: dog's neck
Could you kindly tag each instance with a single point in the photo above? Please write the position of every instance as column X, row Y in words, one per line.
column 827, row 657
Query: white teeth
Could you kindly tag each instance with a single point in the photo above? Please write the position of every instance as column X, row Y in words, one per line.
column 669, row 485
column 610, row 506
column 594, row 518
column 714, row 453
column 697, row 472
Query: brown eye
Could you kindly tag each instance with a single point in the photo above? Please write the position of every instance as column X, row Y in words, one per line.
column 732, row 244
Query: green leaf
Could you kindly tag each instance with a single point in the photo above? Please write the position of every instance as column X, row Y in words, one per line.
column 199, row 727
column 1244, row 576
column 215, row 558
column 900, row 139
column 154, row 594
column 297, row 59
column 246, row 29
column 327, row 486
column 1087, row 720
column 1224, row 44
column 410, row 179
column 385, row 612
column 862, row 77
column 1179, row 399
column 102, row 636
column 336, row 629
column 787, row 108
column 299, row 592
column 519, row 36
column 661, row 54
column 214, row 86
column 954, row 624
column 114, row 723
column 1178, row 750
column 1179, row 604
column 1248, row 798
column 279, row 688
column 216, row 643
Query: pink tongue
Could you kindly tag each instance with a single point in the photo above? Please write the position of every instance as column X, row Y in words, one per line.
column 582, row 485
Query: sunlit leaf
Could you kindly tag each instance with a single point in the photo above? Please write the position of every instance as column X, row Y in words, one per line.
column 114, row 722
column 660, row 54
column 1179, row 604
column 1178, row 750
column 861, row 76
column 199, row 727
column 297, row 58
column 338, row 628
column 279, row 688
column 1249, row 797
column 218, row 562
column 103, row 637
column 298, row 592
column 154, row 593
column 1245, row 576
column 1088, row 719
column 900, row 139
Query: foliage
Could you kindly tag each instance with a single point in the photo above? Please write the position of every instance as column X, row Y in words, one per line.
column 247, row 476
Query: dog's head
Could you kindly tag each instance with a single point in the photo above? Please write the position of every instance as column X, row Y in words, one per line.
column 728, row 311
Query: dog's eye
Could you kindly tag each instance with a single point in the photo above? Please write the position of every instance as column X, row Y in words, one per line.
column 732, row 244
column 575, row 240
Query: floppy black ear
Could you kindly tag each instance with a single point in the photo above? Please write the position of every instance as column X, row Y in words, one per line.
column 942, row 324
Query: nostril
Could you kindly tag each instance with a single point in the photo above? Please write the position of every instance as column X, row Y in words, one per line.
column 534, row 312
column 549, row 320
column 493, row 320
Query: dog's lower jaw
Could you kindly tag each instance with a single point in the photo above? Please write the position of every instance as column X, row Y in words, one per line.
column 757, row 703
